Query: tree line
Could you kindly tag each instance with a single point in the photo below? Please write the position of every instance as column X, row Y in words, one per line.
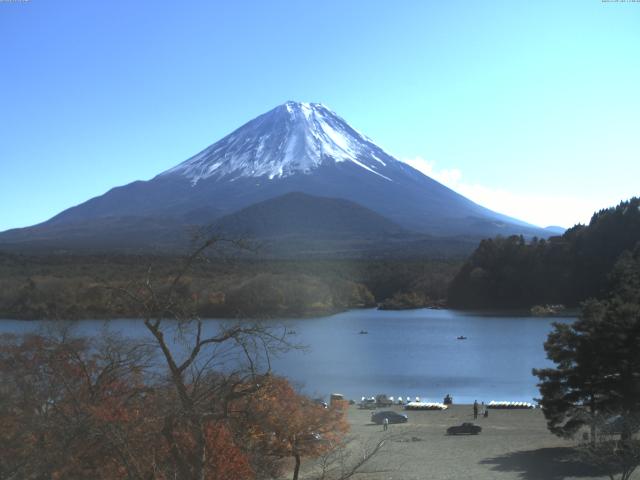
column 81, row 286
column 508, row 272
column 594, row 387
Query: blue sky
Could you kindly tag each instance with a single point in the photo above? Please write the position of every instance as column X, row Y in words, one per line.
column 530, row 108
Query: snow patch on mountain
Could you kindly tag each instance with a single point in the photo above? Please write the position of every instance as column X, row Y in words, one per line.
column 293, row 138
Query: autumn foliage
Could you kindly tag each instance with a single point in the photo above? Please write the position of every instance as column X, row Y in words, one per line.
column 292, row 425
column 193, row 401
column 99, row 409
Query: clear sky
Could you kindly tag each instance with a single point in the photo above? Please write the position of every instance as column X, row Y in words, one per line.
column 530, row 108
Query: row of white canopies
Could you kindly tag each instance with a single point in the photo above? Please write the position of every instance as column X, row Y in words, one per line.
column 509, row 405
column 417, row 404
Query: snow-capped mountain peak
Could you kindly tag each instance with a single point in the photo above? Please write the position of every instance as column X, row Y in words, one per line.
column 296, row 137
column 294, row 161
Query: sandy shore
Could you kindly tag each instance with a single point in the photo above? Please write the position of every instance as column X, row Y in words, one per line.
column 514, row 444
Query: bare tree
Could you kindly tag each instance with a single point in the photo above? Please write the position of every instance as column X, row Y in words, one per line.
column 209, row 369
column 348, row 458
column 355, row 457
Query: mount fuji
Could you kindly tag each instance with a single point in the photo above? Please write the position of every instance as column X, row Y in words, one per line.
column 295, row 148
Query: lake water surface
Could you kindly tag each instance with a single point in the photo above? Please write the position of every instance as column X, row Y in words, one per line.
column 405, row 353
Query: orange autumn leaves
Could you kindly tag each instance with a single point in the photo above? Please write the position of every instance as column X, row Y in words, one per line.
column 68, row 410
column 78, row 409
column 290, row 422
column 290, row 425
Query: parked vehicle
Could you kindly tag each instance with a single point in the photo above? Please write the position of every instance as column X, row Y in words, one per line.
column 464, row 429
column 393, row 417
column 617, row 424
column 321, row 402
column 309, row 437
column 383, row 401
column 367, row 403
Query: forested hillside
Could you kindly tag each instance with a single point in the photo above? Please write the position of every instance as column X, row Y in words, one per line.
column 510, row 272
column 82, row 286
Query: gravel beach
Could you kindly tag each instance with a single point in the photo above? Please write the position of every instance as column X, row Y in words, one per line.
column 513, row 444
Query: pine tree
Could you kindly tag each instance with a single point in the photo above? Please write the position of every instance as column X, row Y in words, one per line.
column 597, row 373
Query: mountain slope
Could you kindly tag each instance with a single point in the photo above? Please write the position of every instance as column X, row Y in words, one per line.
column 299, row 214
column 296, row 147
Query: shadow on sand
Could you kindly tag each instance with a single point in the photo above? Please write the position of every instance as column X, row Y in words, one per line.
column 543, row 464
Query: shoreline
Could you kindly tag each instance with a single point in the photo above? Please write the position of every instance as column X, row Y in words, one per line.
column 568, row 313
column 513, row 444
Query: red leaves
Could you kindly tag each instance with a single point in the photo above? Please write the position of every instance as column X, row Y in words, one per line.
column 292, row 423
column 70, row 410
column 225, row 460
column 65, row 410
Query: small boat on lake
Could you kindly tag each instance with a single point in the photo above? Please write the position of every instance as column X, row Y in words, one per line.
column 461, row 337
column 363, row 332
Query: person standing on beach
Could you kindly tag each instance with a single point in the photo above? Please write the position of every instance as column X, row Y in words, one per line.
column 385, row 424
column 475, row 409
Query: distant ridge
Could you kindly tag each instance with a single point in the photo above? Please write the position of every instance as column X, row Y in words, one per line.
column 555, row 230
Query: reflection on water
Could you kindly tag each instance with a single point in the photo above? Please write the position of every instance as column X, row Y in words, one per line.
column 405, row 353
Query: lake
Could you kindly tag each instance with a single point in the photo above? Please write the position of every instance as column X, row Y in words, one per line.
column 405, row 353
